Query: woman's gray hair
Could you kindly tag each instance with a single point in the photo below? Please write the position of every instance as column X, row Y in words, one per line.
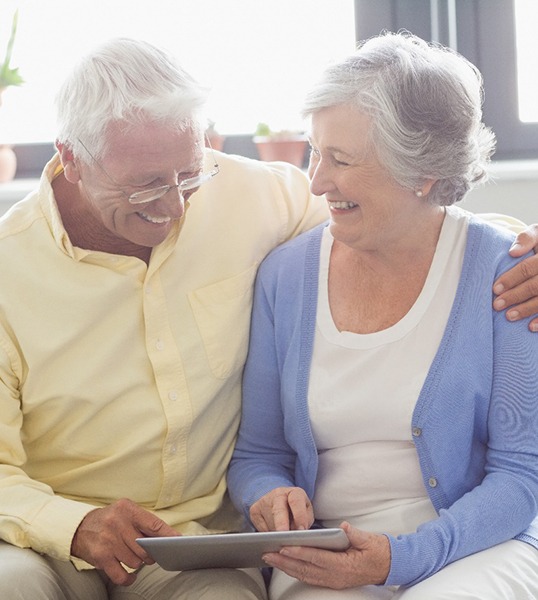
column 426, row 107
column 130, row 82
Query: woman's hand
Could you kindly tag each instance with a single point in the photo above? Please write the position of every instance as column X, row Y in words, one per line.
column 366, row 562
column 517, row 289
column 282, row 509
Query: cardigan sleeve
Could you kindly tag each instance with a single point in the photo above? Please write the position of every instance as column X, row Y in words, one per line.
column 262, row 459
column 491, row 497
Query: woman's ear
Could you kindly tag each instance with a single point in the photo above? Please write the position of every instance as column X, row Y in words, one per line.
column 428, row 184
column 71, row 171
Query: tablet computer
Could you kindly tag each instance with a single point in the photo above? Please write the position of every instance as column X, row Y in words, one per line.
column 234, row 550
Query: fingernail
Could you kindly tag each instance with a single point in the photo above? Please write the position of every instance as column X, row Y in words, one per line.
column 498, row 289
column 534, row 327
column 499, row 303
column 515, row 245
column 512, row 315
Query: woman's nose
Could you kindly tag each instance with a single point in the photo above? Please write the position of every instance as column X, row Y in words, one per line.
column 319, row 180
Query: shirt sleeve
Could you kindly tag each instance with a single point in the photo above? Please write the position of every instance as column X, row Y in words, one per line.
column 301, row 210
column 31, row 515
column 510, row 223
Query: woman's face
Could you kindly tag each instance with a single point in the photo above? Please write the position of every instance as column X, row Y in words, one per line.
column 368, row 207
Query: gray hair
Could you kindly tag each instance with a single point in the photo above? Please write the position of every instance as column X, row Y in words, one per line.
column 426, row 107
column 129, row 82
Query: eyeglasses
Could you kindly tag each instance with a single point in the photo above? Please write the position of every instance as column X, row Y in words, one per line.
column 153, row 194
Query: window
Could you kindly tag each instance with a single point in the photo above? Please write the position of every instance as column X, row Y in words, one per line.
column 257, row 55
column 485, row 32
column 526, row 14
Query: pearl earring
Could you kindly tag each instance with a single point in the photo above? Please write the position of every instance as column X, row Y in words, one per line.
column 419, row 193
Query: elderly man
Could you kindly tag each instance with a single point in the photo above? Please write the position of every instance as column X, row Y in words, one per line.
column 124, row 316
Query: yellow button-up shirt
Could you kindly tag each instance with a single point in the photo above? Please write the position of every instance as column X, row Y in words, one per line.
column 119, row 379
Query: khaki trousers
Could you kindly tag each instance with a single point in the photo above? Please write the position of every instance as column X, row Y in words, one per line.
column 26, row 575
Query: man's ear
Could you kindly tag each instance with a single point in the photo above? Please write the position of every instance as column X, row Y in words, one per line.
column 71, row 171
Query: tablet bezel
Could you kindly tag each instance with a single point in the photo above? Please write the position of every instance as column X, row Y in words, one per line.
column 235, row 550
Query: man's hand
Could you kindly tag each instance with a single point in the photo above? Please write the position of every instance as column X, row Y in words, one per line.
column 282, row 509
column 517, row 289
column 106, row 539
column 366, row 562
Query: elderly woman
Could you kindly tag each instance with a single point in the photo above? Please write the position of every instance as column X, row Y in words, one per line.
column 382, row 393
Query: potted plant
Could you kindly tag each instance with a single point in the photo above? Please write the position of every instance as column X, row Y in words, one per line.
column 283, row 145
column 216, row 140
column 8, row 76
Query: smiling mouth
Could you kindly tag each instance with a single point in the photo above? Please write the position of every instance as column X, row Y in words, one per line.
column 342, row 205
column 154, row 220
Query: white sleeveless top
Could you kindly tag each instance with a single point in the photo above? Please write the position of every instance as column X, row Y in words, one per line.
column 362, row 393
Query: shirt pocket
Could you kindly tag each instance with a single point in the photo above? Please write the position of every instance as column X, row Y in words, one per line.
column 222, row 313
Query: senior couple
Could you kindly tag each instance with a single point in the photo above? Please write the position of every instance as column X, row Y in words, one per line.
column 387, row 390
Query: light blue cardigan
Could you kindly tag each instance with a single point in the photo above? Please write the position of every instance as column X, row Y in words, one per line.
column 475, row 424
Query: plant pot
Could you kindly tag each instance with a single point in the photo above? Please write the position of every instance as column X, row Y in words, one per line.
column 8, row 163
column 290, row 150
column 216, row 141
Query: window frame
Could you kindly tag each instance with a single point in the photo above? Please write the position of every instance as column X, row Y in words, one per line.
column 485, row 34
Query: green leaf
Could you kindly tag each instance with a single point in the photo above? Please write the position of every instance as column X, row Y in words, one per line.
column 10, row 76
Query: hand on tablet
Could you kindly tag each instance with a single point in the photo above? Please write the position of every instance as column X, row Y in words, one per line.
column 106, row 539
column 366, row 562
column 282, row 509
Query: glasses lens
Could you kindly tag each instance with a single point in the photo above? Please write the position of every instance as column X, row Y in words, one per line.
column 194, row 182
column 148, row 195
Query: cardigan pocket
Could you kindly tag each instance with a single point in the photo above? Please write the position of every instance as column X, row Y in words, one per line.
column 222, row 314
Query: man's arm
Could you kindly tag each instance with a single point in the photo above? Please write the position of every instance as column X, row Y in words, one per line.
column 516, row 290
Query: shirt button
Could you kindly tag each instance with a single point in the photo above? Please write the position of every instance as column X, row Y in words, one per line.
column 172, row 396
column 432, row 482
column 159, row 345
column 173, row 449
column 417, row 431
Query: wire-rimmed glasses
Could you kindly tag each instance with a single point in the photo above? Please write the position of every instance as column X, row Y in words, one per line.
column 152, row 194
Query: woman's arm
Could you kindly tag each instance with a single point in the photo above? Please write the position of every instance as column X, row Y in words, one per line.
column 262, row 460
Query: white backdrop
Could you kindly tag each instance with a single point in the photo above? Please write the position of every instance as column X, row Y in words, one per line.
column 258, row 56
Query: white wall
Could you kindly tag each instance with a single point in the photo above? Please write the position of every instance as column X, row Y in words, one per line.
column 513, row 190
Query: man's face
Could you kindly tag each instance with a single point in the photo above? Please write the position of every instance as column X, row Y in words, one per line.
column 138, row 159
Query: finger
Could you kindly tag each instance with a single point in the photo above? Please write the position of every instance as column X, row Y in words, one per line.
column 520, row 274
column 257, row 516
column 148, row 527
column 526, row 241
column 118, row 574
column 517, row 307
column 303, row 564
column 300, row 508
column 281, row 513
column 151, row 526
column 522, row 311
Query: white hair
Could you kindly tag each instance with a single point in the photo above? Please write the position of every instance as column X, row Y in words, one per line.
column 425, row 102
column 129, row 82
